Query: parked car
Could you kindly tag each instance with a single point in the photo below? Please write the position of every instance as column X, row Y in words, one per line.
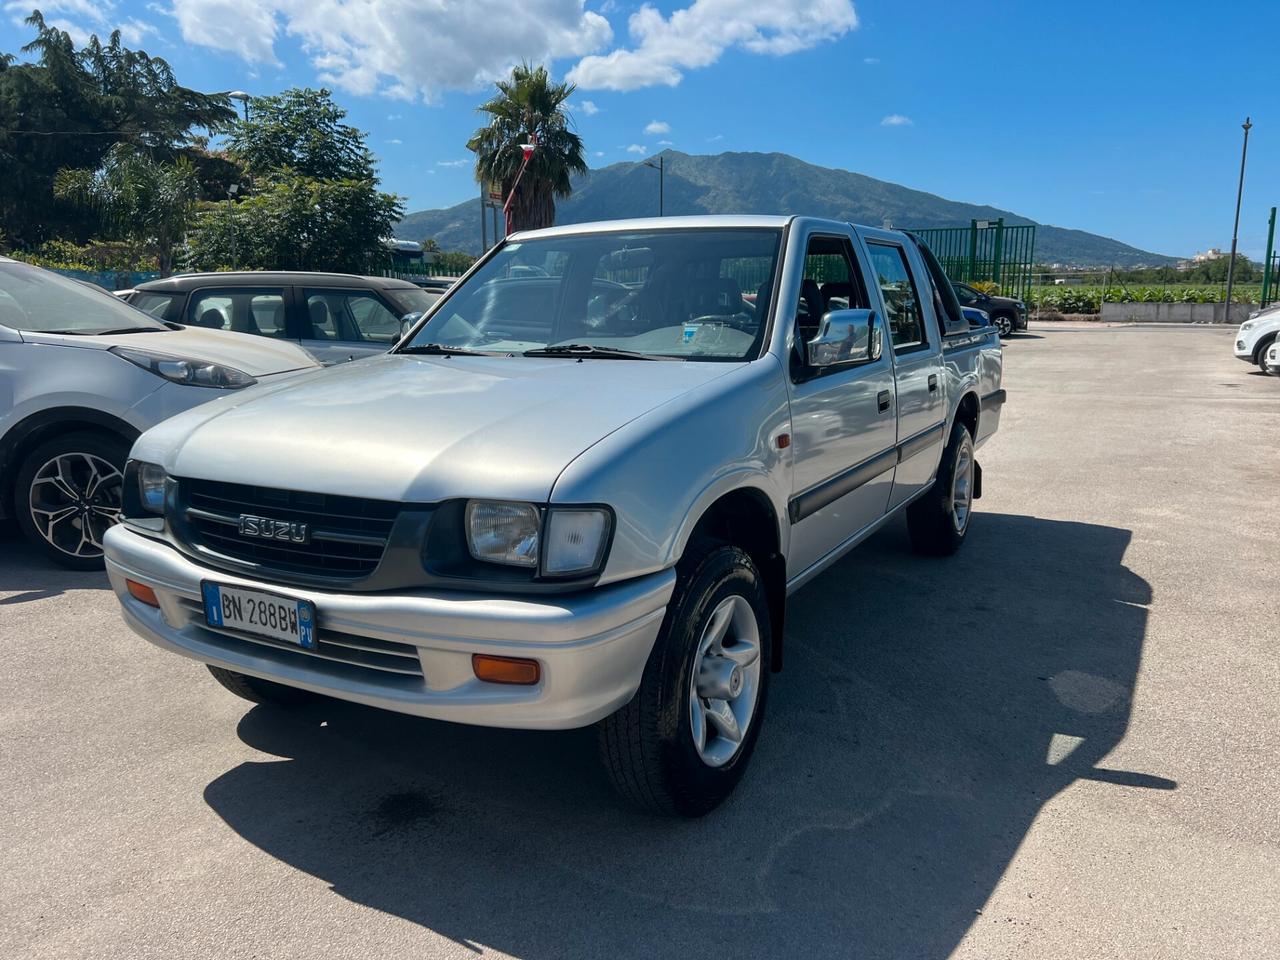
column 1257, row 334
column 81, row 376
column 1006, row 313
column 436, row 285
column 558, row 503
column 334, row 316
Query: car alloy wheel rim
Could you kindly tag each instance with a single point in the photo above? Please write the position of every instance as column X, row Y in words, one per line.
column 724, row 684
column 1006, row 326
column 962, row 487
column 74, row 498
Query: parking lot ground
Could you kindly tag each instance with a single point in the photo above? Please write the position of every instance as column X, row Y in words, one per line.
column 1061, row 743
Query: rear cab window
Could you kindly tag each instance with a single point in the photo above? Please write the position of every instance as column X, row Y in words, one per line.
column 903, row 310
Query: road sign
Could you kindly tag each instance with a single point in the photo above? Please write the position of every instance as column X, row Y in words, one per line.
column 493, row 191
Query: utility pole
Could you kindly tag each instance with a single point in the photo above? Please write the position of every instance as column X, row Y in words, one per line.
column 661, row 167
column 1235, row 230
column 231, row 222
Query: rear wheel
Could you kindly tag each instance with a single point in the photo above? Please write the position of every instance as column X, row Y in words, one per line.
column 256, row 690
column 683, row 742
column 939, row 520
column 67, row 495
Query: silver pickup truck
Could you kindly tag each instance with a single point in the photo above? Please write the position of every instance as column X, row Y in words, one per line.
column 578, row 491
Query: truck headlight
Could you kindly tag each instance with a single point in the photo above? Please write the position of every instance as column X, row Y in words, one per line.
column 145, row 485
column 576, row 538
column 558, row 542
column 195, row 373
column 503, row 532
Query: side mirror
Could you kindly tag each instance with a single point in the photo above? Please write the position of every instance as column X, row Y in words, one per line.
column 846, row 336
column 407, row 322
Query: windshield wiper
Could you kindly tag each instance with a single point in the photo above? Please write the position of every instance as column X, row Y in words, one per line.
column 592, row 350
column 114, row 330
column 443, row 349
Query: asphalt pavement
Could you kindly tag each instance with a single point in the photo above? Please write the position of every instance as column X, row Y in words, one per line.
column 1061, row 743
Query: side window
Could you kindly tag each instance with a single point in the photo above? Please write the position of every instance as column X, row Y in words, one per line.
column 350, row 315
column 152, row 304
column 965, row 294
column 259, row 311
column 904, row 314
column 830, row 282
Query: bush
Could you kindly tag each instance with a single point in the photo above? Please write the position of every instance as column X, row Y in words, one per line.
column 1088, row 299
column 96, row 256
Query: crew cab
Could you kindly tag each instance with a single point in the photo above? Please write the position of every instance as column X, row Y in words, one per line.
column 579, row 491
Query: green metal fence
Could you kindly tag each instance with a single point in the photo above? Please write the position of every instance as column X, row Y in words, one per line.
column 985, row 251
column 1271, row 264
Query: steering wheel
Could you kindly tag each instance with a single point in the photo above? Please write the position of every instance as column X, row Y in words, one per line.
column 739, row 321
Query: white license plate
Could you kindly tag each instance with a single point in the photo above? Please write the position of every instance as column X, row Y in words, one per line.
column 282, row 618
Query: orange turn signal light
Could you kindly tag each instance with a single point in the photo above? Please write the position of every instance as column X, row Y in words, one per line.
column 142, row 593
column 505, row 669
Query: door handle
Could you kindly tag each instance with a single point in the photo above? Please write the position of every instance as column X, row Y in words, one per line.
column 882, row 400
column 933, row 382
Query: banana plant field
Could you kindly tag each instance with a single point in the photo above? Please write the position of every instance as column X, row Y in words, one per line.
column 1088, row 299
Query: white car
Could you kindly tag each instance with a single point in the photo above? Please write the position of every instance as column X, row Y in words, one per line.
column 1257, row 334
column 81, row 376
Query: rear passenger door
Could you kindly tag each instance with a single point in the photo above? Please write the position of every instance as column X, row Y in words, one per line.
column 342, row 325
column 917, row 357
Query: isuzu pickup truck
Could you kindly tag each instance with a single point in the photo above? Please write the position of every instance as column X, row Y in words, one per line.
column 578, row 491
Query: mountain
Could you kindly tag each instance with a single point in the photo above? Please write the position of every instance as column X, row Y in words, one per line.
column 771, row 183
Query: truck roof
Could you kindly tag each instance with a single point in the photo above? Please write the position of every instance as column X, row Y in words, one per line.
column 722, row 222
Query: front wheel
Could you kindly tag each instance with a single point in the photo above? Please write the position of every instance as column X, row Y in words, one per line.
column 683, row 742
column 1004, row 324
column 939, row 520
column 257, row 690
column 67, row 495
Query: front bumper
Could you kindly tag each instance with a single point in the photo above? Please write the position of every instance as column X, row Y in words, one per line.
column 592, row 646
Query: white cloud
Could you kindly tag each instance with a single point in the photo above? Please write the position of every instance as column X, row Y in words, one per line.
column 453, row 163
column 81, row 19
column 395, row 116
column 896, row 120
column 665, row 143
column 395, row 142
column 656, row 127
column 637, row 148
column 589, row 108
column 717, row 137
column 398, row 48
column 599, row 153
column 697, row 35
column 871, row 60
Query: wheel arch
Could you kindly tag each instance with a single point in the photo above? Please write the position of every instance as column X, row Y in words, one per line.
column 1264, row 341
column 968, row 411
column 44, row 425
column 746, row 518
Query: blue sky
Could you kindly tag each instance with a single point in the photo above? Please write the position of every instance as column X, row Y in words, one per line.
column 1119, row 118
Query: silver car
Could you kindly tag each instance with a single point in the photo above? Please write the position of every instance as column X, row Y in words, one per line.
column 580, row 490
column 81, row 376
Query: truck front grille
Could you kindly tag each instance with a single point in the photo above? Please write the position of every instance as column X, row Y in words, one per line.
column 346, row 535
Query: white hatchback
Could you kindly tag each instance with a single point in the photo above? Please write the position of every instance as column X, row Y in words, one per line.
column 82, row 374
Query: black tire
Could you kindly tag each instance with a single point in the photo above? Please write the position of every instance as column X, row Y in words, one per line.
column 90, row 451
column 1004, row 324
column 933, row 526
column 647, row 747
column 256, row 690
column 1260, row 353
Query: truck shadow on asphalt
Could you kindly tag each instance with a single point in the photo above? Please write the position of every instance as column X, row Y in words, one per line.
column 928, row 711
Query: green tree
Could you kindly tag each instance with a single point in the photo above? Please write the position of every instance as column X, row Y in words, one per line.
column 528, row 107
column 301, row 129
column 70, row 107
column 314, row 202
column 138, row 198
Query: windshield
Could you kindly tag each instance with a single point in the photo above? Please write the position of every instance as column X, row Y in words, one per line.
column 691, row 294
column 43, row 302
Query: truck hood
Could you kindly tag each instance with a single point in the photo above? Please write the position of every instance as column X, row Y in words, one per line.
column 420, row 428
column 256, row 356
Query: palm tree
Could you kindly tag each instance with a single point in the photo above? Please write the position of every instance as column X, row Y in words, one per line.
column 140, row 198
column 528, row 107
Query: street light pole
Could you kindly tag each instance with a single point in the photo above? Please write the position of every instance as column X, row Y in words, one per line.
column 231, row 222
column 661, row 167
column 243, row 98
column 1235, row 230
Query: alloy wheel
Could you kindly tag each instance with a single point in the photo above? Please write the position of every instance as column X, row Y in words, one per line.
column 962, row 486
column 724, row 684
column 73, row 499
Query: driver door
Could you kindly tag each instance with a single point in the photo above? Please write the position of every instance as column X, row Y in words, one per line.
column 843, row 417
